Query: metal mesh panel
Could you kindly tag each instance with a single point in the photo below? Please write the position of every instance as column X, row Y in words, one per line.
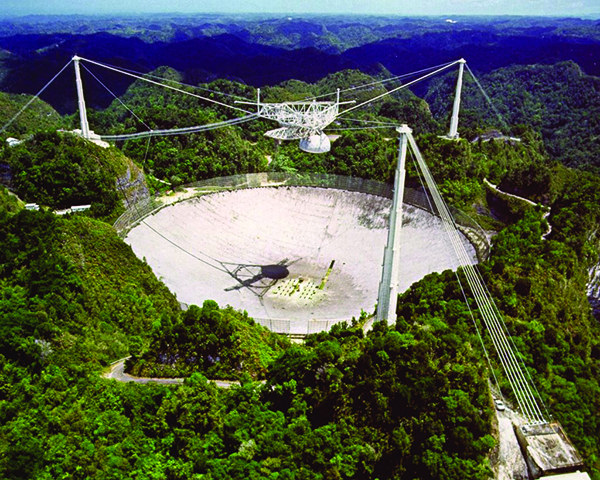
column 465, row 224
column 135, row 214
column 417, row 198
column 298, row 328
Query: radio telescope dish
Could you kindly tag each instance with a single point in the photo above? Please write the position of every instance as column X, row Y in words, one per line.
column 316, row 143
column 298, row 259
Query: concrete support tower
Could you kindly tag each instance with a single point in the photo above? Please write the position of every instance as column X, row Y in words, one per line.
column 390, row 278
column 453, row 133
column 85, row 128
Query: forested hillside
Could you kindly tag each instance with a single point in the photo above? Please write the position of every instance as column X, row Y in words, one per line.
column 244, row 149
column 184, row 158
column 265, row 52
column 409, row 399
column 329, row 408
column 74, row 297
column 37, row 116
column 81, row 299
column 560, row 101
column 60, row 170
column 219, row 343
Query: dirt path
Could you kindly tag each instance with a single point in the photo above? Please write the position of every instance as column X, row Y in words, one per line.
column 117, row 373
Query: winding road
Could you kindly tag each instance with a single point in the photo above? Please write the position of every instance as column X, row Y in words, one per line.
column 117, row 372
column 526, row 200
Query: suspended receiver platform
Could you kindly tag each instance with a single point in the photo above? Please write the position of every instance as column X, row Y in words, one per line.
column 304, row 121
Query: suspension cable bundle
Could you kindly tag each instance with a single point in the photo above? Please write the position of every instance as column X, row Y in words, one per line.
column 159, row 81
column 515, row 371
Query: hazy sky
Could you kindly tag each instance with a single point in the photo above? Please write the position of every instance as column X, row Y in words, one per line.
column 397, row 7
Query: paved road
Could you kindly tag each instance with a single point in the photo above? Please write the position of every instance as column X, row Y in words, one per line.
column 117, row 372
column 544, row 217
column 510, row 464
column 495, row 188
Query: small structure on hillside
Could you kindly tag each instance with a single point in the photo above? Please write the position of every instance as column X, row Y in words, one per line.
column 495, row 135
column 92, row 137
column 548, row 450
column 13, row 142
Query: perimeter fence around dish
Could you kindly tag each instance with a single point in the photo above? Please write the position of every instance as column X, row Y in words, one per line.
column 137, row 212
column 292, row 328
column 297, row 328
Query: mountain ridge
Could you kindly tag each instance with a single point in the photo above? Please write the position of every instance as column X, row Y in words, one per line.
column 227, row 55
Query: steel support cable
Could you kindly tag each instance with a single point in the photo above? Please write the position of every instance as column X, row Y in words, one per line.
column 518, row 382
column 115, row 69
column 509, row 362
column 448, row 224
column 180, row 131
column 360, row 120
column 34, row 98
column 146, row 154
column 519, row 356
column 135, row 206
column 460, row 283
column 406, row 85
column 151, row 133
column 117, row 98
column 379, row 82
column 489, row 100
column 485, row 351
column 180, row 247
column 531, row 380
column 502, row 335
column 237, row 214
column 186, row 251
column 175, row 81
column 507, row 359
column 464, row 260
column 503, row 354
column 380, row 127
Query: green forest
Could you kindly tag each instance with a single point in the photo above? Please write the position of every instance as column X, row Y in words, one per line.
column 409, row 399
column 559, row 101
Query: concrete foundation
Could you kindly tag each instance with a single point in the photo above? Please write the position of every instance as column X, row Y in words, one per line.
column 548, row 450
column 569, row 476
